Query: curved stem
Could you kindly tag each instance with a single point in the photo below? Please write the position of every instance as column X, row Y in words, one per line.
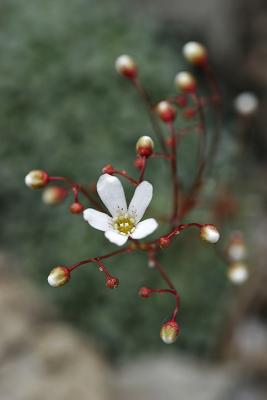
column 97, row 259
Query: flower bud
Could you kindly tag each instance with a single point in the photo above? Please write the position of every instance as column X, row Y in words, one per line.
column 185, row 82
column 169, row 332
column 36, row 179
column 112, row 282
column 238, row 273
column 209, row 233
column 246, row 104
column 76, row 208
column 59, row 276
column 195, row 53
column 166, row 111
column 126, row 66
column 144, row 292
column 108, row 169
column 145, row 146
column 54, row 195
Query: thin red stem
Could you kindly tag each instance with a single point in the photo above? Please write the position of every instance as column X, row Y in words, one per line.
column 144, row 164
column 175, row 180
column 133, row 181
column 166, row 278
column 97, row 259
column 149, row 107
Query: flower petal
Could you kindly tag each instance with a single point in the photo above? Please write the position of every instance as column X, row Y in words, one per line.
column 97, row 219
column 141, row 199
column 116, row 238
column 144, row 228
column 111, row 192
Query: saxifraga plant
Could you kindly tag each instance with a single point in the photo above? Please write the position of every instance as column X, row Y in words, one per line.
column 123, row 223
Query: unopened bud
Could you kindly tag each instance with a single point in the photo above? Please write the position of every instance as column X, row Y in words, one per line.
column 246, row 104
column 76, row 208
column 185, row 82
column 145, row 146
column 169, row 332
column 209, row 233
column 195, row 53
column 126, row 66
column 144, row 292
column 54, row 195
column 36, row 179
column 59, row 276
column 166, row 111
column 112, row 282
column 238, row 273
column 108, row 169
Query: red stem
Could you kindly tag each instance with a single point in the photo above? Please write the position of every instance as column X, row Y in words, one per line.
column 149, row 107
column 133, row 181
column 97, row 259
column 175, row 180
column 143, row 169
column 166, row 278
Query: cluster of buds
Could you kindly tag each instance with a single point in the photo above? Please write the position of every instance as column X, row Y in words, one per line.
column 53, row 195
column 237, row 254
column 122, row 222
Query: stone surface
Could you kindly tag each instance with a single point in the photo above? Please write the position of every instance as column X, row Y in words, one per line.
column 40, row 357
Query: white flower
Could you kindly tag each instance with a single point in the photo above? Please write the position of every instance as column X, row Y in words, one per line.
column 125, row 221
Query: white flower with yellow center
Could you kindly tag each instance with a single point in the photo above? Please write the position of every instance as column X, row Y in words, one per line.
column 124, row 221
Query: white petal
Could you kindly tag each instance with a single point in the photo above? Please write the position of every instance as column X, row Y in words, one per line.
column 115, row 237
column 97, row 219
column 144, row 228
column 111, row 192
column 141, row 199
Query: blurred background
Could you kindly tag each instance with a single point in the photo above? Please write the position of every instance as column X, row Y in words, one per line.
column 64, row 109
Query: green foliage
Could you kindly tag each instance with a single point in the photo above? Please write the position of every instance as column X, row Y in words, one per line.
column 64, row 109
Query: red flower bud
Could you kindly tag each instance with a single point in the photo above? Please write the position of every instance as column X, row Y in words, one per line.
column 195, row 53
column 36, row 179
column 76, row 208
column 185, row 82
column 166, row 111
column 144, row 292
column 112, row 282
column 126, row 66
column 59, row 276
column 145, row 146
column 169, row 332
column 54, row 195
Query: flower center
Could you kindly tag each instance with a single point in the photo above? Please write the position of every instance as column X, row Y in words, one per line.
column 124, row 224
